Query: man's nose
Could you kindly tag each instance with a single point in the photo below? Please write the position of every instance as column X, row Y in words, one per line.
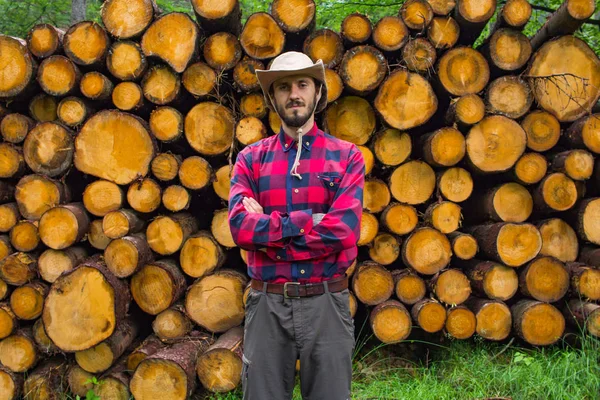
column 295, row 92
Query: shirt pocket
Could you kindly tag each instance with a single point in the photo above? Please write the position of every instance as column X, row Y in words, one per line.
column 330, row 180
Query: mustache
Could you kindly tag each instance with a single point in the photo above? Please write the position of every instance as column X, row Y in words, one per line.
column 294, row 103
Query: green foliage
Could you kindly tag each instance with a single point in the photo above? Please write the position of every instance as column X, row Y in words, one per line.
column 91, row 394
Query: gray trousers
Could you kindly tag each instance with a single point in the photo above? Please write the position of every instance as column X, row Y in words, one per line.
column 318, row 330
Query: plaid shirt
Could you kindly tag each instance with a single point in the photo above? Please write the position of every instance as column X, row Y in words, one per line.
column 283, row 245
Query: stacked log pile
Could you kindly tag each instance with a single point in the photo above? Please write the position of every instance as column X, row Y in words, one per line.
column 481, row 202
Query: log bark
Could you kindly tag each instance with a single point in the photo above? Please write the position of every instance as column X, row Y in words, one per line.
column 96, row 86
column 472, row 16
column 14, row 127
column 539, row 324
column 48, row 149
column 429, row 315
column 222, row 16
column 14, row 52
column 584, row 316
column 172, row 324
column 491, row 280
column 44, row 40
column 11, row 384
column 126, row 255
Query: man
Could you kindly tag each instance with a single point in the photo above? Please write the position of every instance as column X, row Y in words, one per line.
column 295, row 204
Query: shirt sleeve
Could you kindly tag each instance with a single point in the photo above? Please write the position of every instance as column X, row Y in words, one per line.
column 252, row 231
column 340, row 227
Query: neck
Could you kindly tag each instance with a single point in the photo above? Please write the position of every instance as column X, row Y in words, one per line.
column 292, row 131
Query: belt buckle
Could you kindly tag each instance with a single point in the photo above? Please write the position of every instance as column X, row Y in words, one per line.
column 285, row 290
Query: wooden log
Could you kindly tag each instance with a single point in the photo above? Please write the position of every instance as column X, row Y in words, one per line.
column 356, row 112
column 46, row 380
column 96, row 237
column 262, row 38
column 372, row 283
column 429, row 315
column 495, row 144
column 216, row 17
column 390, row 34
column 161, row 85
column 512, row 244
column 564, row 21
column 26, row 301
column 539, row 324
column 172, row 324
column 126, row 19
column 335, row 85
column 463, row 70
column 542, row 129
column 420, row 102
column 117, row 224
column 96, row 86
column 455, row 184
column 20, row 80
column 52, row 263
column 583, row 315
column 556, row 192
column 508, row 202
column 399, row 219
column 8, row 319
column 443, row 32
column 200, row 255
column 507, row 50
column 11, row 384
column 444, row 147
column 64, row 225
column 584, row 281
column 15, row 127
column 250, row 130
column 427, row 250
column 326, row 45
column 409, row 287
column 43, row 107
column 200, row 80
column 148, row 347
column 556, row 75
column 175, row 27
column 509, row 96
column 73, row 111
column 445, row 216
column 530, row 168
column 451, row 287
column 176, row 198
column 44, row 40
column 376, row 195
column 356, row 29
column 494, row 319
column 79, row 380
column 9, row 216
column 558, row 239
column 514, row 14
column 126, row 255
column 102, row 197
column 58, row 76
column 86, row 43
column 442, row 7
column 390, row 322
column 385, row 249
column 465, row 111
column 166, row 123
column 362, row 69
column 412, row 182
column 97, row 149
column 369, row 227
column 126, row 61
column 170, row 372
column 472, row 16
column 460, row 322
column 18, row 352
column 419, row 55
column 585, row 220
column 48, row 149
column 219, row 368
column 5, row 250
column 490, row 279
column 42, row 340
column 12, row 163
column 206, row 299
column 464, row 246
column 577, row 164
column 157, row 286
column 209, row 128
column 368, row 158
column 85, row 306
column 544, row 279
column 166, row 234
column 18, row 268
column 590, row 255
column 244, row 74
column 115, row 382
column 222, row 51
column 102, row 356
column 583, row 133
column 416, row 14
column 144, row 196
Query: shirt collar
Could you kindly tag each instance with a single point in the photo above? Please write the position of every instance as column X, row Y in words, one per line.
column 308, row 139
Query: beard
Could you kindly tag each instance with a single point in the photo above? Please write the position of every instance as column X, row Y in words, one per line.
column 297, row 118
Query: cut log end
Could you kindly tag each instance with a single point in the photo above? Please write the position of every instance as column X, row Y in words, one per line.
column 96, row 86
column 392, row 147
column 464, row 246
column 262, row 38
column 385, row 249
column 530, row 168
column 125, row 19
column 351, row 118
column 400, row 218
column 390, row 322
column 102, row 197
column 445, row 216
column 429, row 315
column 426, row 250
column 43, row 40
column 21, row 73
column 144, row 196
column 376, row 195
column 412, row 182
column 509, row 49
column 460, row 322
column 452, row 287
column 443, row 32
column 416, row 14
column 557, row 192
column 363, row 68
column 542, row 129
column 494, row 319
column 463, row 71
column 372, row 283
column 356, row 28
column 538, row 323
column 209, row 128
column 509, row 96
column 419, row 55
column 455, row 184
column 62, row 226
column 390, row 33
column 126, row 61
column 518, row 243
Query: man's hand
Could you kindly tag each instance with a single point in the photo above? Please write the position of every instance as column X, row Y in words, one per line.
column 252, row 205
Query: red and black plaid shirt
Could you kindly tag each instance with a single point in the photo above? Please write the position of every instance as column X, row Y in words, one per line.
column 283, row 245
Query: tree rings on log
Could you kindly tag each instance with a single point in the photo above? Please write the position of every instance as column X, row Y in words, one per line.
column 201, row 254
column 399, row 218
column 530, row 168
column 542, row 129
column 494, row 319
column 362, row 69
column 443, row 32
column 23, row 67
column 262, row 38
column 372, row 283
column 463, row 70
column 392, row 147
column 144, row 196
column 43, row 40
column 390, row 34
column 416, row 14
column 429, row 315
column 558, row 240
column 460, row 322
column 86, row 43
column 390, row 322
column 412, row 182
column 509, row 50
column 48, row 149
column 509, row 96
column 539, row 324
column 455, row 184
column 351, row 118
column 427, row 250
column 209, row 128
column 356, row 29
column 491, row 280
column 101, row 197
column 126, row 19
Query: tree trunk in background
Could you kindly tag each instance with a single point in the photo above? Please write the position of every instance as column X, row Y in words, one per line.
column 78, row 8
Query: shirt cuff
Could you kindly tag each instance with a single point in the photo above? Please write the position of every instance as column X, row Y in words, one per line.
column 298, row 223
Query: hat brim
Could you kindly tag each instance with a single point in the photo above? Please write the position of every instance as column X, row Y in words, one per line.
column 266, row 78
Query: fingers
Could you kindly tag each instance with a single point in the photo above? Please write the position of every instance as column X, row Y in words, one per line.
column 252, row 205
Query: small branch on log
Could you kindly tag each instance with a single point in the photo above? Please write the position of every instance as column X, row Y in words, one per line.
column 556, row 79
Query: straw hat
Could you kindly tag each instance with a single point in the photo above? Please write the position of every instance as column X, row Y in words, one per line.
column 292, row 63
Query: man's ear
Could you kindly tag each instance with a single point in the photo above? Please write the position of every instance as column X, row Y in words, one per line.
column 319, row 93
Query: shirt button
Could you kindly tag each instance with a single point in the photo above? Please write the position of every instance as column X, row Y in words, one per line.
column 279, row 257
column 296, row 190
column 330, row 183
column 307, row 143
column 301, row 230
column 286, row 145
column 301, row 271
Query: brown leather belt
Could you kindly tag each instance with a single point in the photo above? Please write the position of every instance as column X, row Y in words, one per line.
column 295, row 290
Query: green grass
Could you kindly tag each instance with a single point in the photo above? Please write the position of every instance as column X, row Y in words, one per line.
column 473, row 369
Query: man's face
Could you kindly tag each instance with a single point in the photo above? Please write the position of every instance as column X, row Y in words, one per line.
column 295, row 99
